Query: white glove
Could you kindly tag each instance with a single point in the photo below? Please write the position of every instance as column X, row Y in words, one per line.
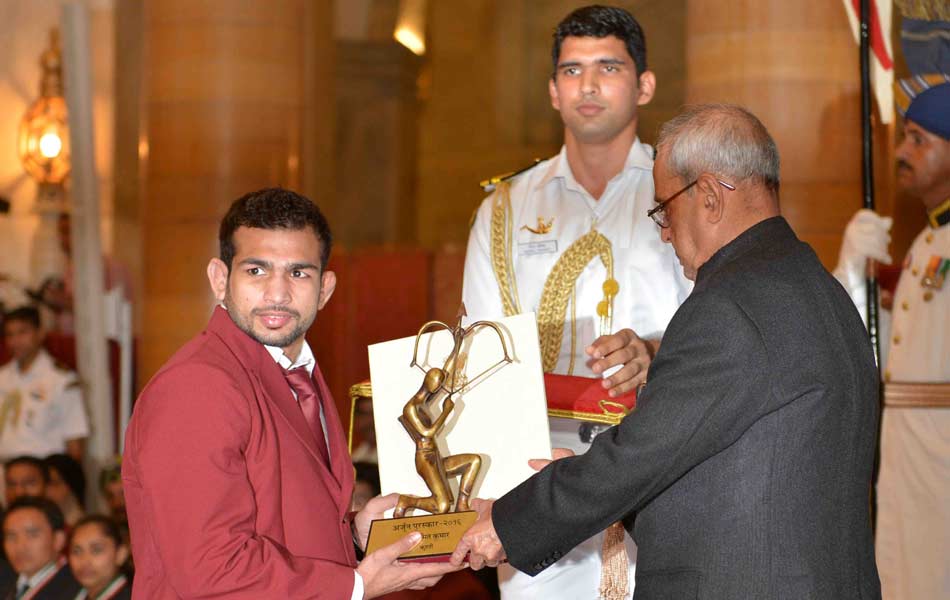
column 866, row 236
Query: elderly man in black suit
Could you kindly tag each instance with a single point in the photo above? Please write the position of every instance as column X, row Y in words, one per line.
column 747, row 462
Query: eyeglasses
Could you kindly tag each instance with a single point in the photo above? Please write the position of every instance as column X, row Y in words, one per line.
column 658, row 212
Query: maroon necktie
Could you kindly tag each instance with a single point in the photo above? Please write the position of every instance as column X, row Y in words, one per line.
column 309, row 402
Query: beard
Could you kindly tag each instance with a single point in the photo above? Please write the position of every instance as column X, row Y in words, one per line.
column 245, row 322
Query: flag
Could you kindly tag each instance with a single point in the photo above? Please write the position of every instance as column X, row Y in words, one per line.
column 882, row 62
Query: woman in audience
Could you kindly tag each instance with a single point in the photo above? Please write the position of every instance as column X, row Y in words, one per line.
column 66, row 487
column 96, row 557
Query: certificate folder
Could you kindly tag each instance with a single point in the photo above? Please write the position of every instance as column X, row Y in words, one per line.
column 585, row 399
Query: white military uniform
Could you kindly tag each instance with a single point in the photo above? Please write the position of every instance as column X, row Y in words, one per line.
column 40, row 409
column 651, row 288
column 913, row 490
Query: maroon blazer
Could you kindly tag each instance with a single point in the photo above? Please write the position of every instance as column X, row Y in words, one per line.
column 227, row 495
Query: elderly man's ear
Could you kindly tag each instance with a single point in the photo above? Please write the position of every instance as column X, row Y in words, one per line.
column 713, row 197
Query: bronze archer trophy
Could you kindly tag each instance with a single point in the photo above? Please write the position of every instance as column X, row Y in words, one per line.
column 439, row 383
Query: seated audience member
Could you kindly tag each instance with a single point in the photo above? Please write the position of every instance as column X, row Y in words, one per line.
column 34, row 539
column 365, row 484
column 7, row 576
column 67, row 486
column 97, row 555
column 365, row 427
column 24, row 476
column 110, row 484
column 41, row 406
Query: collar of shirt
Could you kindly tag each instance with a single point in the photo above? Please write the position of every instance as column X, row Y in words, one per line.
column 38, row 578
column 640, row 156
column 108, row 592
column 41, row 364
column 305, row 359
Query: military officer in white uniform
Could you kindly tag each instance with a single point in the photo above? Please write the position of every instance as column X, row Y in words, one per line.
column 569, row 239
column 913, row 490
column 41, row 405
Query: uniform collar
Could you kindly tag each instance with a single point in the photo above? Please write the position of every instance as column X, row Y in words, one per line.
column 640, row 156
column 939, row 216
column 42, row 363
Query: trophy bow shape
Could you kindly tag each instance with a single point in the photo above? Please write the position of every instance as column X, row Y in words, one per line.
column 443, row 383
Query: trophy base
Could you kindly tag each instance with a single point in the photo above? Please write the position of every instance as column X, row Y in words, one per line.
column 440, row 534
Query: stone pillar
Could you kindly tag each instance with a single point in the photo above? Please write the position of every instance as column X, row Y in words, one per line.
column 795, row 65
column 225, row 105
column 376, row 143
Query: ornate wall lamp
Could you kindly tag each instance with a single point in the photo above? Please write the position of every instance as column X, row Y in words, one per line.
column 44, row 151
column 410, row 28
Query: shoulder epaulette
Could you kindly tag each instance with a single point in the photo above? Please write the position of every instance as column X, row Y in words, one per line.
column 491, row 183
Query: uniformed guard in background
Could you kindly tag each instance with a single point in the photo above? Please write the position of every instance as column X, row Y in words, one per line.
column 913, row 491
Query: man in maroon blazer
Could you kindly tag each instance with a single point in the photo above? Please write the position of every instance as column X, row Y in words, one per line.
column 236, row 474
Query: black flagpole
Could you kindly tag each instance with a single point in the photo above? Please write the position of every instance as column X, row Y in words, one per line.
column 867, row 169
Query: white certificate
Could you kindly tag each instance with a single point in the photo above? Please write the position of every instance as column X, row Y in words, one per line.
column 501, row 412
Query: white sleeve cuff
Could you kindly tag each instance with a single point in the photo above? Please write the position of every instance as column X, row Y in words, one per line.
column 357, row 586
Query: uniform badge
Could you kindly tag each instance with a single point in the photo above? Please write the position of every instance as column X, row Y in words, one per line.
column 10, row 410
column 542, row 228
column 936, row 272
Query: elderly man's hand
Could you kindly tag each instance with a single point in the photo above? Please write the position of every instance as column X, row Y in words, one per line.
column 556, row 454
column 480, row 542
column 622, row 348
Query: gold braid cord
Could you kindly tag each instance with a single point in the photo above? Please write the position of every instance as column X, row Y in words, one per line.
column 501, row 240
column 559, row 287
column 614, row 570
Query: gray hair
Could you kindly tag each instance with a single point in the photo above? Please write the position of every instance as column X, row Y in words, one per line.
column 722, row 139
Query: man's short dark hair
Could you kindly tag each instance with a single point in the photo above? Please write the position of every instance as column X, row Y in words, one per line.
column 54, row 516
column 25, row 314
column 273, row 208
column 599, row 22
column 70, row 471
column 32, row 461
